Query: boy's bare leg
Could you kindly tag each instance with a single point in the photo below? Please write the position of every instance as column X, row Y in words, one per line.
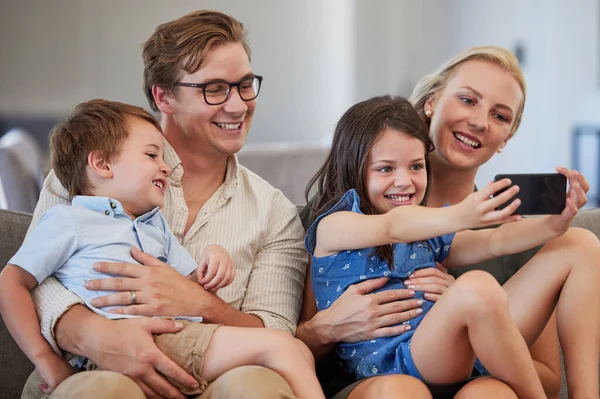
column 232, row 347
column 472, row 317
column 565, row 274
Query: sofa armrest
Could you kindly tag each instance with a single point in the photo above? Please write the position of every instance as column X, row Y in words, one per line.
column 14, row 365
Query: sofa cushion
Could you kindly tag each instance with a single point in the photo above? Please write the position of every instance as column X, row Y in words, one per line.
column 14, row 366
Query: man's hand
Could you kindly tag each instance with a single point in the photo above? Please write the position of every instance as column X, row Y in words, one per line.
column 159, row 289
column 127, row 346
column 215, row 269
column 359, row 315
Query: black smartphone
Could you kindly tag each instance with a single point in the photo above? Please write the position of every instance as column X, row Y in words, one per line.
column 540, row 193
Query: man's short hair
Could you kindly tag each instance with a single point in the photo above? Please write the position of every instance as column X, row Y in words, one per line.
column 183, row 44
column 94, row 125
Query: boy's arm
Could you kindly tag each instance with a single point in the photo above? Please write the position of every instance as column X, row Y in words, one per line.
column 20, row 318
column 19, row 314
column 474, row 246
column 349, row 230
column 51, row 298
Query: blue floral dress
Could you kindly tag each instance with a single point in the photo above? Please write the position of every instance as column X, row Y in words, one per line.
column 332, row 275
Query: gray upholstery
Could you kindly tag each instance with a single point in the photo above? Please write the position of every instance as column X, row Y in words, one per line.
column 21, row 173
column 15, row 367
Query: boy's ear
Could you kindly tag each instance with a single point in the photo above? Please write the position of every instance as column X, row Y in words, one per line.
column 99, row 164
column 162, row 99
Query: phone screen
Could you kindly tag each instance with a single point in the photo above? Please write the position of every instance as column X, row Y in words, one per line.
column 540, row 194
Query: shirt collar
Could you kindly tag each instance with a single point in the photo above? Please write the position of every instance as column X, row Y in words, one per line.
column 108, row 206
column 174, row 163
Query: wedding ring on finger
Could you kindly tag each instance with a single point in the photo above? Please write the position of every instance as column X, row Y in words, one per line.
column 133, row 297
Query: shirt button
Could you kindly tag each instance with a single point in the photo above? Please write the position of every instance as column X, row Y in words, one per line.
column 107, row 212
column 113, row 205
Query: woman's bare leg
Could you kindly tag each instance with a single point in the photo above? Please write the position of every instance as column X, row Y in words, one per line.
column 472, row 317
column 232, row 347
column 390, row 387
column 565, row 274
column 486, row 387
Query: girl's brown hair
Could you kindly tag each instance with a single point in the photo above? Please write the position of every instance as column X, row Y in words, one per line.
column 355, row 135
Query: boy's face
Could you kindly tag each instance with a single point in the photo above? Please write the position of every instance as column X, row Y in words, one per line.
column 216, row 129
column 139, row 178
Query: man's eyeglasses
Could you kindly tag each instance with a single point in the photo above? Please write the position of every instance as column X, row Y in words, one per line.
column 216, row 93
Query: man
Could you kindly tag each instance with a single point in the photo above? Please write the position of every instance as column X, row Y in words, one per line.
column 197, row 74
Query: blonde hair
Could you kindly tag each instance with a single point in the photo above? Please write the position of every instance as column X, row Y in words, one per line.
column 436, row 81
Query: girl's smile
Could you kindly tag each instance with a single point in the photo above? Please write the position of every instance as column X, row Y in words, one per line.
column 396, row 173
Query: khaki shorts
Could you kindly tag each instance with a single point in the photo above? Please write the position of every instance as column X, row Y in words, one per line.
column 186, row 348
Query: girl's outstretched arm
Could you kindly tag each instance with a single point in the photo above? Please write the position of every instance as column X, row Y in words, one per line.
column 349, row 230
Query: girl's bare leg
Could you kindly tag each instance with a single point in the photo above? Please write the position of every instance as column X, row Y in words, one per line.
column 390, row 387
column 565, row 274
column 486, row 387
column 472, row 317
column 232, row 347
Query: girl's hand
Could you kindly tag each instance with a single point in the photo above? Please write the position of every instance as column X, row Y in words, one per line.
column 215, row 269
column 52, row 370
column 359, row 315
column 479, row 208
column 576, row 199
column 431, row 281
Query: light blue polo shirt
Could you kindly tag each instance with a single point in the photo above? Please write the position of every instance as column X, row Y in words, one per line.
column 68, row 240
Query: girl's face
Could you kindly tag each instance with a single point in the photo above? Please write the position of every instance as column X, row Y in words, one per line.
column 396, row 173
column 473, row 114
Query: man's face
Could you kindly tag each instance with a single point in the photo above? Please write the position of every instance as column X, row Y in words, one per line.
column 216, row 129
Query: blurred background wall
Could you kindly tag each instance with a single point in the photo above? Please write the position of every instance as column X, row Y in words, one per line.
column 318, row 57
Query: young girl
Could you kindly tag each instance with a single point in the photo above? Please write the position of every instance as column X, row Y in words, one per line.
column 378, row 164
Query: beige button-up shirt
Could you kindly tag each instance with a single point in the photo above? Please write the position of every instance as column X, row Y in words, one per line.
column 251, row 219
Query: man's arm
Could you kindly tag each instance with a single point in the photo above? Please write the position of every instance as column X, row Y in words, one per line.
column 274, row 292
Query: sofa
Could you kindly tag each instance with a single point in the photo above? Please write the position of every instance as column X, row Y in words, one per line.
column 15, row 367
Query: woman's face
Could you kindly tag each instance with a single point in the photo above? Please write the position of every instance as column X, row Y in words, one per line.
column 473, row 114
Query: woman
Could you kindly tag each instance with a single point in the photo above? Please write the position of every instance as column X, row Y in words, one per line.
column 472, row 105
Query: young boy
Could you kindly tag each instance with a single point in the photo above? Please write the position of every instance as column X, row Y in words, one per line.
column 109, row 156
